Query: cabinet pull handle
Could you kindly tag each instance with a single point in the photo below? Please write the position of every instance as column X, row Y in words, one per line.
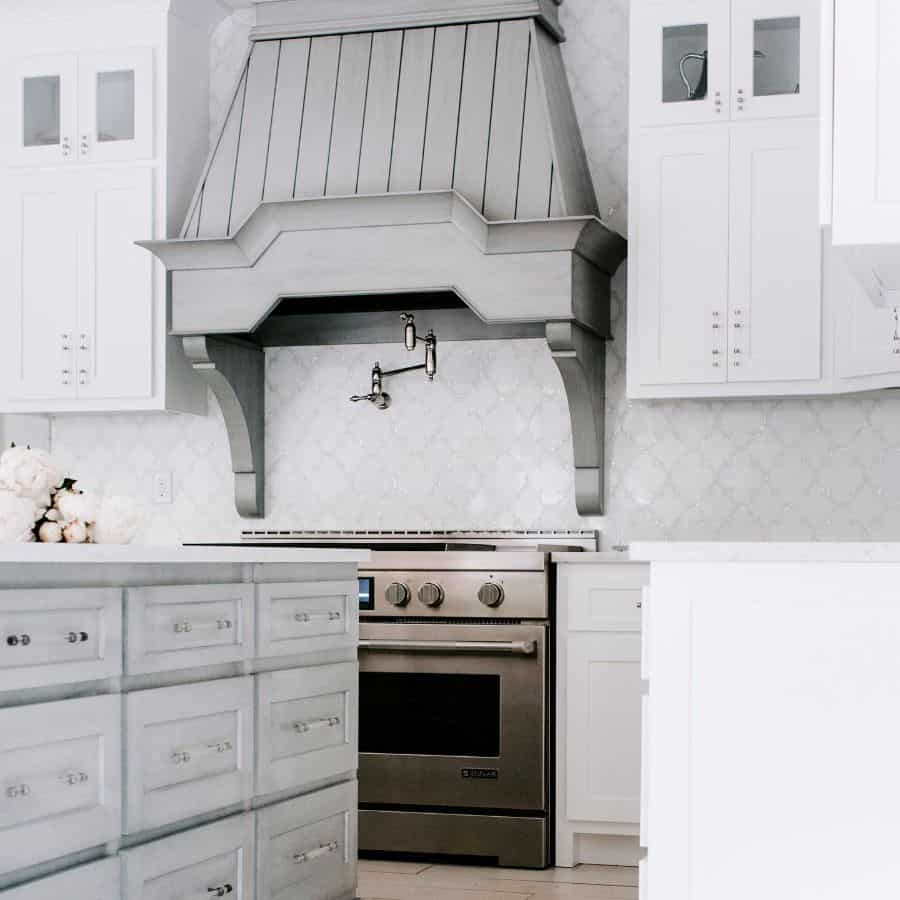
column 77, row 637
column 22, row 789
column 25, row 640
column 85, row 144
column 305, row 618
column 318, row 852
column 220, row 891
column 18, row 640
column 18, row 790
column 186, row 627
column 184, row 755
column 66, row 146
column 65, row 376
column 82, row 376
column 73, row 778
column 314, row 724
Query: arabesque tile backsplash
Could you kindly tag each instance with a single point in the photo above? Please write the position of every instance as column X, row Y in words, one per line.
column 488, row 444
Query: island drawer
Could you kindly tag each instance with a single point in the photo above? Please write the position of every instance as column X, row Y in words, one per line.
column 59, row 636
column 189, row 750
column 190, row 626
column 306, row 725
column 306, row 617
column 307, row 847
column 60, row 779
column 94, row 881
column 213, row 861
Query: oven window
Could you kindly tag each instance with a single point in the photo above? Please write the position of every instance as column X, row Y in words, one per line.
column 429, row 714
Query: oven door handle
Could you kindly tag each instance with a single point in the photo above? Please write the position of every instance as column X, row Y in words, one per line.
column 519, row 648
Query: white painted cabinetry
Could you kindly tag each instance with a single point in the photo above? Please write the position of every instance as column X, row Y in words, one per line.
column 109, row 114
column 598, row 712
column 725, row 280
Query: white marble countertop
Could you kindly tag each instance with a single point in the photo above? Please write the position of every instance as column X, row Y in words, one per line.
column 783, row 552
column 156, row 554
column 592, row 558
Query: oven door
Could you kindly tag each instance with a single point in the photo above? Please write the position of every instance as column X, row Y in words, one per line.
column 453, row 715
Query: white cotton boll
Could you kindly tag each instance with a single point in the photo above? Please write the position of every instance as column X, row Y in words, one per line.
column 29, row 473
column 73, row 506
column 50, row 533
column 75, row 533
column 17, row 518
column 118, row 521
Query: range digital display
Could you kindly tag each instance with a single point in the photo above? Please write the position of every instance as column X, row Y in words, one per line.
column 366, row 593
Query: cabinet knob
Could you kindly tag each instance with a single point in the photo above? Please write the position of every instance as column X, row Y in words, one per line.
column 220, row 891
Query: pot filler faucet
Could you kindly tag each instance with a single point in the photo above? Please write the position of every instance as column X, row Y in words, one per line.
column 378, row 395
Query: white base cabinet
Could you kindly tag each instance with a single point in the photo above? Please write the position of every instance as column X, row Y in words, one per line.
column 598, row 712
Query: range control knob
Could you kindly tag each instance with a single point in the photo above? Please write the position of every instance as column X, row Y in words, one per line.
column 490, row 594
column 397, row 594
column 431, row 594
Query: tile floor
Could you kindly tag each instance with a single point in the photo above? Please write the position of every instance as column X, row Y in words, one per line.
column 385, row 880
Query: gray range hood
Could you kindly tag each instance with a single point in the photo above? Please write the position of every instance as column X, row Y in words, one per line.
column 406, row 152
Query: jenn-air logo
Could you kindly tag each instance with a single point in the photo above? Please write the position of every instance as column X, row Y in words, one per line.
column 489, row 774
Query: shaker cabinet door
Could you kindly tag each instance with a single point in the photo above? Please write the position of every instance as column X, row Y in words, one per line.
column 775, row 58
column 680, row 61
column 775, row 297
column 682, row 256
column 94, row 881
column 216, row 860
column 60, row 779
column 189, row 750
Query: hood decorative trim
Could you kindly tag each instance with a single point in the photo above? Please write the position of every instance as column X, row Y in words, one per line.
column 406, row 151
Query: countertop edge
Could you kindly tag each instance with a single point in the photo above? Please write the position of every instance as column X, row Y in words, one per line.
column 775, row 552
column 156, row 554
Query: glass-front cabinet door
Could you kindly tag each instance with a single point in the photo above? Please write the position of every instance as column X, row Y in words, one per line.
column 775, row 58
column 681, row 66
column 43, row 126
column 115, row 108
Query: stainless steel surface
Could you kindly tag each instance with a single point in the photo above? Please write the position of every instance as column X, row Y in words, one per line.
column 524, row 648
column 519, row 841
column 397, row 594
column 516, row 776
column 430, row 594
column 491, row 594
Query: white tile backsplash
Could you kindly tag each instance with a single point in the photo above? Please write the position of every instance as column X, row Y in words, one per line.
column 489, row 443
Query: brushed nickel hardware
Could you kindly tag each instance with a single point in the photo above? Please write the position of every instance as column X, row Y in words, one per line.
column 18, row 640
column 65, row 375
column 77, row 637
column 397, row 594
column 85, row 144
column 377, row 395
column 220, row 891
column 304, row 618
column 318, row 852
column 66, row 342
column 18, row 790
column 315, row 724
column 180, row 757
column 491, row 594
column 431, row 594
column 183, row 627
column 82, row 376
column 66, row 146
column 186, row 627
column 73, row 778
column 185, row 755
column 520, row 648
column 82, row 341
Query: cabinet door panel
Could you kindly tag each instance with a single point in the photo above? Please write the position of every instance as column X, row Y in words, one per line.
column 307, row 847
column 775, row 312
column 94, row 881
column 59, row 636
column 866, row 124
column 213, row 861
column 680, row 61
column 188, row 626
column 41, row 127
column 682, row 255
column 115, row 109
column 603, row 738
column 307, row 617
column 42, row 255
column 775, row 58
column 60, row 777
column 306, row 725
column 116, row 296
column 189, row 751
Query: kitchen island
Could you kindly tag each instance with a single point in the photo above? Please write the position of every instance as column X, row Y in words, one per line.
column 771, row 674
column 177, row 721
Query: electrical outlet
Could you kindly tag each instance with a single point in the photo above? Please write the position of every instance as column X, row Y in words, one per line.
column 162, row 487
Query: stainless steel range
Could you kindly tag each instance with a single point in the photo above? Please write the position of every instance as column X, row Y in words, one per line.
column 456, row 687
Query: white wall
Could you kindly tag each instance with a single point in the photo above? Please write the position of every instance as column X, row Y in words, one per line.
column 488, row 444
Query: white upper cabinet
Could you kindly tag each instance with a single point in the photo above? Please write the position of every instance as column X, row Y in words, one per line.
column 775, row 58
column 681, row 256
column 775, row 292
column 82, row 107
column 115, row 108
column 44, row 122
column 680, row 61
column 866, row 122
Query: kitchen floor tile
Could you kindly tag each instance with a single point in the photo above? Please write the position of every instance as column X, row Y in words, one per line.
column 403, row 887
column 392, row 867
column 613, row 875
